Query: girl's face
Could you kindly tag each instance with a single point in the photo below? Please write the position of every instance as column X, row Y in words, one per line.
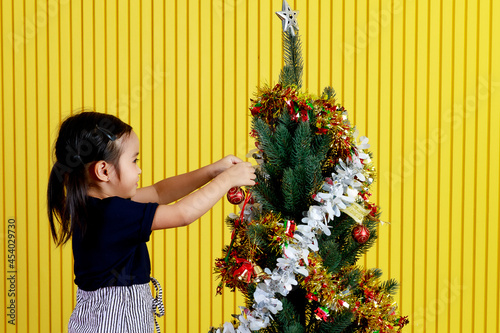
column 127, row 182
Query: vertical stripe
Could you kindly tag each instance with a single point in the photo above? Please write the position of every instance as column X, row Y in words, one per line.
column 343, row 50
column 415, row 139
column 258, row 41
column 164, row 53
column 188, row 252
column 391, row 122
column 367, row 69
column 427, row 162
column 59, row 255
column 93, row 58
column 129, row 41
column 452, row 137
column 105, row 19
column 82, row 53
column 271, row 73
column 14, row 153
column 367, row 78
column 307, row 36
column 3, row 129
column 439, row 152
column 222, row 107
column 476, row 138
column 141, row 99
column 25, row 148
column 49, row 240
column 38, row 176
column 318, row 69
column 116, row 309
column 379, row 78
column 464, row 140
column 490, row 39
column 176, row 155
column 355, row 66
column 403, row 116
column 334, row 60
column 200, row 107
column 488, row 170
column 212, row 254
column 247, row 79
column 71, row 77
column 117, row 60
column 152, row 255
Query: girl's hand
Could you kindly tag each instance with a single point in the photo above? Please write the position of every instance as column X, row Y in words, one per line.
column 224, row 164
column 240, row 174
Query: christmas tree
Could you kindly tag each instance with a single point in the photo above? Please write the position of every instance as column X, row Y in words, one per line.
column 307, row 221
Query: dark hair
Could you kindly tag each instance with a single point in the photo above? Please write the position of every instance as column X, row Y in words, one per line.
column 83, row 138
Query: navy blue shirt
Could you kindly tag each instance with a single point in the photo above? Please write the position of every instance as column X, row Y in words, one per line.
column 113, row 250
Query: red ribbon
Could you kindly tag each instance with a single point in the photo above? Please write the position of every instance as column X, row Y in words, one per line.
column 290, row 228
column 312, row 297
column 236, row 225
column 321, row 314
column 246, row 268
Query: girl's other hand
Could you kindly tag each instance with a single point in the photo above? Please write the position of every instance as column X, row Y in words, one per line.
column 240, row 174
column 224, row 164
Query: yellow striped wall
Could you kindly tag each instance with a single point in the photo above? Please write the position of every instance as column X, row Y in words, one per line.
column 420, row 78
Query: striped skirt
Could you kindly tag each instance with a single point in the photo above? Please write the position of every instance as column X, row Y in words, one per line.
column 130, row 309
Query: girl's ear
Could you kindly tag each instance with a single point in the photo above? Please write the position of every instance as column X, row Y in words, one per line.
column 100, row 170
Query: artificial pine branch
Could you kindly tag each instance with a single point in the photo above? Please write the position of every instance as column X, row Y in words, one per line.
column 230, row 222
column 329, row 93
column 288, row 190
column 301, row 190
column 329, row 251
column 314, row 178
column 291, row 74
column 301, row 143
column 248, row 296
column 257, row 233
column 375, row 272
column 390, row 286
column 283, row 140
column 338, row 325
column 288, row 318
column 265, row 140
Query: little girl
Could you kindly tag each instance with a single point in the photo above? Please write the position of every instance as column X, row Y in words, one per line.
column 94, row 200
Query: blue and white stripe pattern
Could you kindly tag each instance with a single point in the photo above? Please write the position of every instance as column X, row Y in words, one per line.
column 117, row 309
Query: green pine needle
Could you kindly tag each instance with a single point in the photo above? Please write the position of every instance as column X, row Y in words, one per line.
column 339, row 324
column 329, row 92
column 390, row 286
column 291, row 74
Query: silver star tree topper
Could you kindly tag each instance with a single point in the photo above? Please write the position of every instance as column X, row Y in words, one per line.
column 288, row 18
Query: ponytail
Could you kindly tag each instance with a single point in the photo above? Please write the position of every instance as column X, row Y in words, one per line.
column 83, row 138
column 55, row 203
column 66, row 202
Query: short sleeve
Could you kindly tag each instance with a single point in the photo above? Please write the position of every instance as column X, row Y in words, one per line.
column 149, row 214
column 133, row 220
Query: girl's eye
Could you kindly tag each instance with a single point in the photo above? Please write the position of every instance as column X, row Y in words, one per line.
column 135, row 161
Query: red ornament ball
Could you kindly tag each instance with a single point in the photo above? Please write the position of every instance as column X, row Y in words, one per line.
column 360, row 233
column 235, row 195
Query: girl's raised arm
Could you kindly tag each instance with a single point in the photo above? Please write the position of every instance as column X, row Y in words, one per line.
column 173, row 188
column 194, row 205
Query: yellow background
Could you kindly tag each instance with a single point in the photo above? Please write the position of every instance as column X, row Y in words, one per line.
column 420, row 78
